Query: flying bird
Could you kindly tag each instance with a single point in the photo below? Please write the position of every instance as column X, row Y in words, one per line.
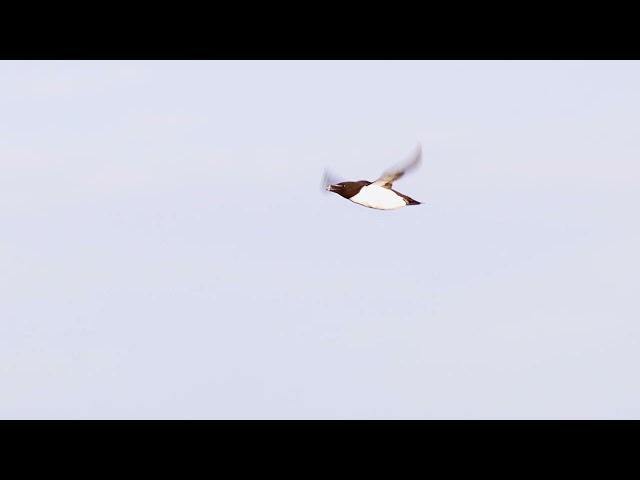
column 377, row 194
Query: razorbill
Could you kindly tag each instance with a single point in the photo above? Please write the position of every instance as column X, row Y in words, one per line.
column 378, row 194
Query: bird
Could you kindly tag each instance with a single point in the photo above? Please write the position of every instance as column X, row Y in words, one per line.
column 377, row 194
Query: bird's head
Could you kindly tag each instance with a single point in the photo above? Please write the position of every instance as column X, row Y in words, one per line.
column 336, row 187
column 347, row 189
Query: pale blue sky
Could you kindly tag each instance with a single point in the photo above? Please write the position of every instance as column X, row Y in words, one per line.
column 167, row 252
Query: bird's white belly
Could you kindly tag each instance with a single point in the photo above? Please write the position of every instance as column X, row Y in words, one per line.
column 374, row 196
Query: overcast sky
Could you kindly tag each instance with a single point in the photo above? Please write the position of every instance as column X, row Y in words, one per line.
column 166, row 250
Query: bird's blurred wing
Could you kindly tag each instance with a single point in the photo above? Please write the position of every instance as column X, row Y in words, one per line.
column 387, row 178
column 328, row 179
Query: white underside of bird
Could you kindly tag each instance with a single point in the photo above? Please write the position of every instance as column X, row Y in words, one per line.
column 381, row 198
